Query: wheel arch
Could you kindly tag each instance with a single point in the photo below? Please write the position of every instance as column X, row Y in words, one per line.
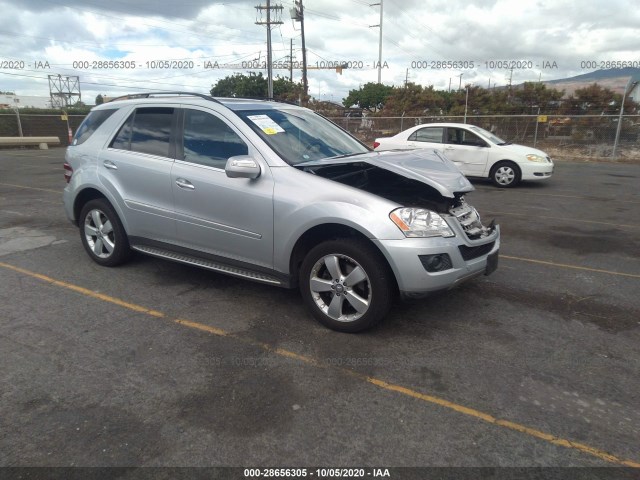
column 322, row 233
column 92, row 193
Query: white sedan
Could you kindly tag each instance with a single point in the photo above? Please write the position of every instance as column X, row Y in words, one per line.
column 475, row 151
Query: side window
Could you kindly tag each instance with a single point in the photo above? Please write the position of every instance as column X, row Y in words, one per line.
column 459, row 136
column 122, row 140
column 91, row 124
column 147, row 130
column 454, row 136
column 209, row 141
column 429, row 134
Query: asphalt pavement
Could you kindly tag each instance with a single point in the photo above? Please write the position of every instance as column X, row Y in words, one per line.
column 159, row 364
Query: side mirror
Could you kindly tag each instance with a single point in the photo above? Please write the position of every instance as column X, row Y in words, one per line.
column 242, row 166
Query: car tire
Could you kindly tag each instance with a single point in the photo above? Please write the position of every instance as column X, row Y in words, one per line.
column 102, row 234
column 347, row 284
column 505, row 174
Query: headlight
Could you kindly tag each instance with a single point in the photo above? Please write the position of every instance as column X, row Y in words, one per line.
column 418, row 222
column 532, row 157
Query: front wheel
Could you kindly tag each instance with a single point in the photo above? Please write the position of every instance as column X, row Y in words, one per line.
column 346, row 284
column 102, row 234
column 505, row 174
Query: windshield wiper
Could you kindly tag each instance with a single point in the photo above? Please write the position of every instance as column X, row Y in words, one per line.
column 318, row 160
column 505, row 143
column 345, row 155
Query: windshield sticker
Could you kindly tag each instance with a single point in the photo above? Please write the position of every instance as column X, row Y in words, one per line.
column 266, row 124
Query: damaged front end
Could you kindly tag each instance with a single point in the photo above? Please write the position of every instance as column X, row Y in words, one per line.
column 415, row 180
column 445, row 242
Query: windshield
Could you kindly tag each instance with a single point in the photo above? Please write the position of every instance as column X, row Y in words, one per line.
column 488, row 135
column 300, row 136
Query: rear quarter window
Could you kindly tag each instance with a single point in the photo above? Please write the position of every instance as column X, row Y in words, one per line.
column 147, row 130
column 90, row 124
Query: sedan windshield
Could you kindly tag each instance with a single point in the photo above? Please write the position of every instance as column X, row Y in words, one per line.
column 300, row 136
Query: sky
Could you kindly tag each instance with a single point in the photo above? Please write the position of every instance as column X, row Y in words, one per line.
column 190, row 44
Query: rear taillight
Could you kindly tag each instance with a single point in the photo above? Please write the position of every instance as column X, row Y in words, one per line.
column 68, row 171
column 376, row 145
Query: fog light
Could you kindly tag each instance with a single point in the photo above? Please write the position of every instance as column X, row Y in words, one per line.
column 436, row 263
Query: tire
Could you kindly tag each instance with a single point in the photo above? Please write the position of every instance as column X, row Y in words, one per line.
column 505, row 174
column 334, row 300
column 102, row 234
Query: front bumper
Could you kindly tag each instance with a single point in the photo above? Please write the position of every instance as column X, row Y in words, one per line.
column 413, row 278
column 536, row 170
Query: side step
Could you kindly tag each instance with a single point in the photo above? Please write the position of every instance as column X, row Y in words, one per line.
column 208, row 264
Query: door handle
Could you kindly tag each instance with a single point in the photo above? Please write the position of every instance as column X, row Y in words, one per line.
column 110, row 165
column 185, row 184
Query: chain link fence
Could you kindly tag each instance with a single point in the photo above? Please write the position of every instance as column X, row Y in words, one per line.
column 584, row 137
column 39, row 125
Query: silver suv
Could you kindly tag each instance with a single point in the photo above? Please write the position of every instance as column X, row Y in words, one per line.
column 274, row 193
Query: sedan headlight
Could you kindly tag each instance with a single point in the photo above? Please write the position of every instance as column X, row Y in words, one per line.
column 532, row 157
column 418, row 222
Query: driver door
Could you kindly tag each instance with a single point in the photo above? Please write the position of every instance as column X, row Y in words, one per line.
column 226, row 217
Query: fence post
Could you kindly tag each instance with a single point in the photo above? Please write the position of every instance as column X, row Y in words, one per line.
column 628, row 87
column 535, row 135
column 19, row 123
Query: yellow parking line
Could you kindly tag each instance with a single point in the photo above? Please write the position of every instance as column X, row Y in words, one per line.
column 31, row 188
column 601, row 454
column 583, row 197
column 573, row 267
column 571, row 220
column 84, row 291
column 595, row 452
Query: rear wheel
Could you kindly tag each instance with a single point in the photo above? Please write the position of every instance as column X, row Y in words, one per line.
column 102, row 234
column 505, row 174
column 346, row 284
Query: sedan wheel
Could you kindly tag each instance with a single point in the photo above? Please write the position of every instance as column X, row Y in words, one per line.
column 346, row 284
column 102, row 234
column 505, row 174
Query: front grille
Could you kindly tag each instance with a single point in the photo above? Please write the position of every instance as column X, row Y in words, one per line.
column 469, row 253
column 469, row 220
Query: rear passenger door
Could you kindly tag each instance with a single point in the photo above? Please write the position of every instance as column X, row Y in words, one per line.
column 136, row 169
column 427, row 137
column 225, row 217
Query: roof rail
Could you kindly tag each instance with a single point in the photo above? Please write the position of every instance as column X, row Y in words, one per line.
column 149, row 94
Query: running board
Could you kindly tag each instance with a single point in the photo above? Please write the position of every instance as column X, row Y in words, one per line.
column 208, row 264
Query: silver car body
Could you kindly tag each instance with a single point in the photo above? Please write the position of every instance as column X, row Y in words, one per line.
column 250, row 227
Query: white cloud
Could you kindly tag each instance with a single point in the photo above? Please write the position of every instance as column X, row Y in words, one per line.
column 486, row 32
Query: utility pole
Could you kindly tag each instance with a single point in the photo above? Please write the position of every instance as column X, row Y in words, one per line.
column 379, row 41
column 277, row 10
column 297, row 14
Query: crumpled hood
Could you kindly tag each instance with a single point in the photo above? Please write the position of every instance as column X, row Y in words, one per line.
column 424, row 165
